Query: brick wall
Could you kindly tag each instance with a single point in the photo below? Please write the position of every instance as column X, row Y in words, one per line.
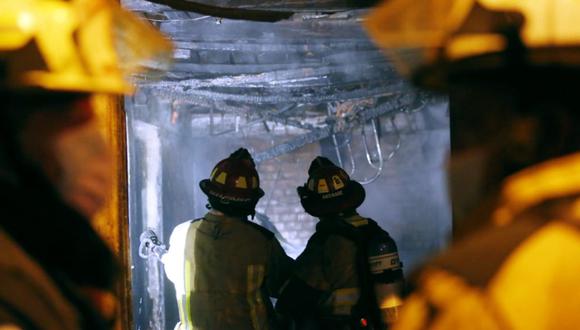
column 280, row 177
column 409, row 199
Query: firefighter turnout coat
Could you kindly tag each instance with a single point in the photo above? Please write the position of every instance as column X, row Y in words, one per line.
column 520, row 274
column 325, row 289
column 225, row 270
column 29, row 299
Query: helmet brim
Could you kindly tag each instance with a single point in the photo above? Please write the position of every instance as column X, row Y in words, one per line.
column 242, row 196
column 353, row 195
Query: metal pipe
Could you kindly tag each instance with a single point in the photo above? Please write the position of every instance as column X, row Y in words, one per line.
column 398, row 145
column 366, row 147
column 352, row 161
column 379, row 168
column 333, row 136
column 337, row 150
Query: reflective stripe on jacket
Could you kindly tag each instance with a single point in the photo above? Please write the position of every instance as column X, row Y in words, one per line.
column 231, row 268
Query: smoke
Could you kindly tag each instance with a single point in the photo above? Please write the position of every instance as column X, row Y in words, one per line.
column 267, row 85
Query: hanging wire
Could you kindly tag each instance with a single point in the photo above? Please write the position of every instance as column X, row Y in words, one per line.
column 352, row 161
column 381, row 161
column 337, row 150
column 366, row 147
column 398, row 145
column 333, row 135
column 379, row 167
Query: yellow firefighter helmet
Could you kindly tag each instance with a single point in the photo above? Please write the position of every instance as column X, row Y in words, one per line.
column 88, row 46
column 421, row 35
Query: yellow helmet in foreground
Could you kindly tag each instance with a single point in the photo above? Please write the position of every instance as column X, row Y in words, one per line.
column 424, row 36
column 77, row 45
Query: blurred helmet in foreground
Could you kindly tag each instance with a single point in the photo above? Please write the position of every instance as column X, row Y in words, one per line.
column 88, row 46
column 433, row 40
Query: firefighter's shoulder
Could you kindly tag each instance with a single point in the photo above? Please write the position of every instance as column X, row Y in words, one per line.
column 23, row 282
column 265, row 232
column 478, row 257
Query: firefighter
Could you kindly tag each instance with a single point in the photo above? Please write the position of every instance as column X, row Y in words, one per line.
column 510, row 68
column 349, row 276
column 224, row 267
column 55, row 57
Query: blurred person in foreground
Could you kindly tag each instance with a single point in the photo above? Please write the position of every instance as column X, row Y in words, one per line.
column 55, row 173
column 510, row 68
column 224, row 267
column 349, row 276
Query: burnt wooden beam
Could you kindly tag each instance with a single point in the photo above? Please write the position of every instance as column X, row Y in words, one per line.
column 225, row 12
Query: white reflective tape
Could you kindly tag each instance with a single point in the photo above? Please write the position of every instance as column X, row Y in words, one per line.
column 343, row 300
column 255, row 276
column 383, row 262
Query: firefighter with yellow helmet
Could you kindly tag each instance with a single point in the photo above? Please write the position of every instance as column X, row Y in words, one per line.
column 55, row 56
column 224, row 267
column 349, row 276
column 510, row 68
